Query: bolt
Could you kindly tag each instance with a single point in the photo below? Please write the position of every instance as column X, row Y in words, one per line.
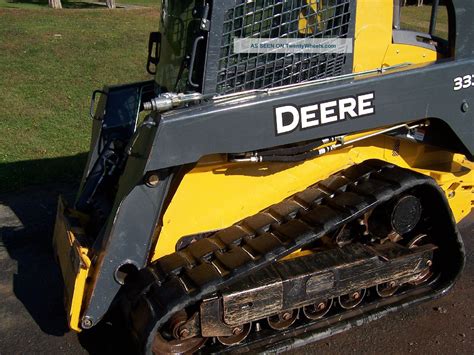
column 286, row 316
column 153, row 180
column 237, row 330
column 451, row 194
column 464, row 107
column 321, row 306
column 87, row 323
column 356, row 295
column 184, row 333
column 429, row 263
column 392, row 284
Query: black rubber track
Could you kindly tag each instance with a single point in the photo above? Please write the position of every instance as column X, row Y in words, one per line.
column 183, row 278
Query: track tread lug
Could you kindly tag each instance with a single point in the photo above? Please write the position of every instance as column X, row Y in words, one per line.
column 357, row 172
column 294, row 230
column 287, row 209
column 266, row 243
column 231, row 236
column 323, row 216
column 372, row 187
column 202, row 274
column 174, row 263
column 233, row 258
column 203, row 249
column 260, row 222
column 333, row 184
column 349, row 201
column 310, row 196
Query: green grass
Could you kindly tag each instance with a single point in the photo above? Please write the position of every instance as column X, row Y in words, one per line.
column 418, row 19
column 51, row 62
column 70, row 4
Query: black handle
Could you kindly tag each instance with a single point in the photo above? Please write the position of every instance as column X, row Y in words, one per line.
column 193, row 59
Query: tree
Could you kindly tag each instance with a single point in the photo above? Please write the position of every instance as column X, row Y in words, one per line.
column 55, row 4
column 110, row 4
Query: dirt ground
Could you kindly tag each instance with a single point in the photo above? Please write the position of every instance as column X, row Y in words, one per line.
column 32, row 319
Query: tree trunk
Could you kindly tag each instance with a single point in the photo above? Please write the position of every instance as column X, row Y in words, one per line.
column 111, row 4
column 55, row 4
column 420, row 2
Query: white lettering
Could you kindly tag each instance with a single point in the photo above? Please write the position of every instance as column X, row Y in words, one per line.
column 365, row 104
column 288, row 118
column 347, row 106
column 280, row 124
column 308, row 117
column 328, row 112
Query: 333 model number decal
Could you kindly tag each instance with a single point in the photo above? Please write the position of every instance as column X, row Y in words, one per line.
column 463, row 82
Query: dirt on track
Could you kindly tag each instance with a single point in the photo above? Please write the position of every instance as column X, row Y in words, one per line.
column 32, row 319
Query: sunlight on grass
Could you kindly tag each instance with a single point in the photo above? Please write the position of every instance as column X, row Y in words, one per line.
column 52, row 61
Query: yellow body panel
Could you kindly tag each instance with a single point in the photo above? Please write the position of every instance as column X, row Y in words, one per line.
column 373, row 47
column 216, row 196
column 74, row 262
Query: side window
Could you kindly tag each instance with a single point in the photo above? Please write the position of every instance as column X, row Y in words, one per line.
column 425, row 16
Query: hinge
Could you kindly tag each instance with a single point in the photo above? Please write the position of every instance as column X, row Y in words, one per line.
column 203, row 14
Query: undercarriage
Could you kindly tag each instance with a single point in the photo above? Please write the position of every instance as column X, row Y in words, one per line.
column 368, row 240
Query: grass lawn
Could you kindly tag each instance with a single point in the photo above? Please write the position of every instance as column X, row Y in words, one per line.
column 52, row 60
column 69, row 4
column 418, row 19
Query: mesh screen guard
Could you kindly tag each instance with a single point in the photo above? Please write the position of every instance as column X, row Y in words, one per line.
column 229, row 72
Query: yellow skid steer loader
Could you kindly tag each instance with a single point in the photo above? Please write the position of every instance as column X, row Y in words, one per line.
column 295, row 167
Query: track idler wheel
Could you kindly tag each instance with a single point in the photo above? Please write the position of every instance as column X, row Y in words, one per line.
column 176, row 338
column 239, row 334
column 352, row 299
column 283, row 320
column 317, row 310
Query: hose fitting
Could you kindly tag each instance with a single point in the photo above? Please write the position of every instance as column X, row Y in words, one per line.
column 170, row 100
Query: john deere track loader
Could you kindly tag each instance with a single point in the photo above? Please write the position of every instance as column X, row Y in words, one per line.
column 263, row 197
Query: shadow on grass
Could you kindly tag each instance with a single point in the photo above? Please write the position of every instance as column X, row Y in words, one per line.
column 18, row 175
column 26, row 228
column 65, row 4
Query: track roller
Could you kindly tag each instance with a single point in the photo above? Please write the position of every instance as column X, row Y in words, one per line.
column 387, row 289
column 352, row 299
column 283, row 320
column 317, row 310
column 239, row 334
